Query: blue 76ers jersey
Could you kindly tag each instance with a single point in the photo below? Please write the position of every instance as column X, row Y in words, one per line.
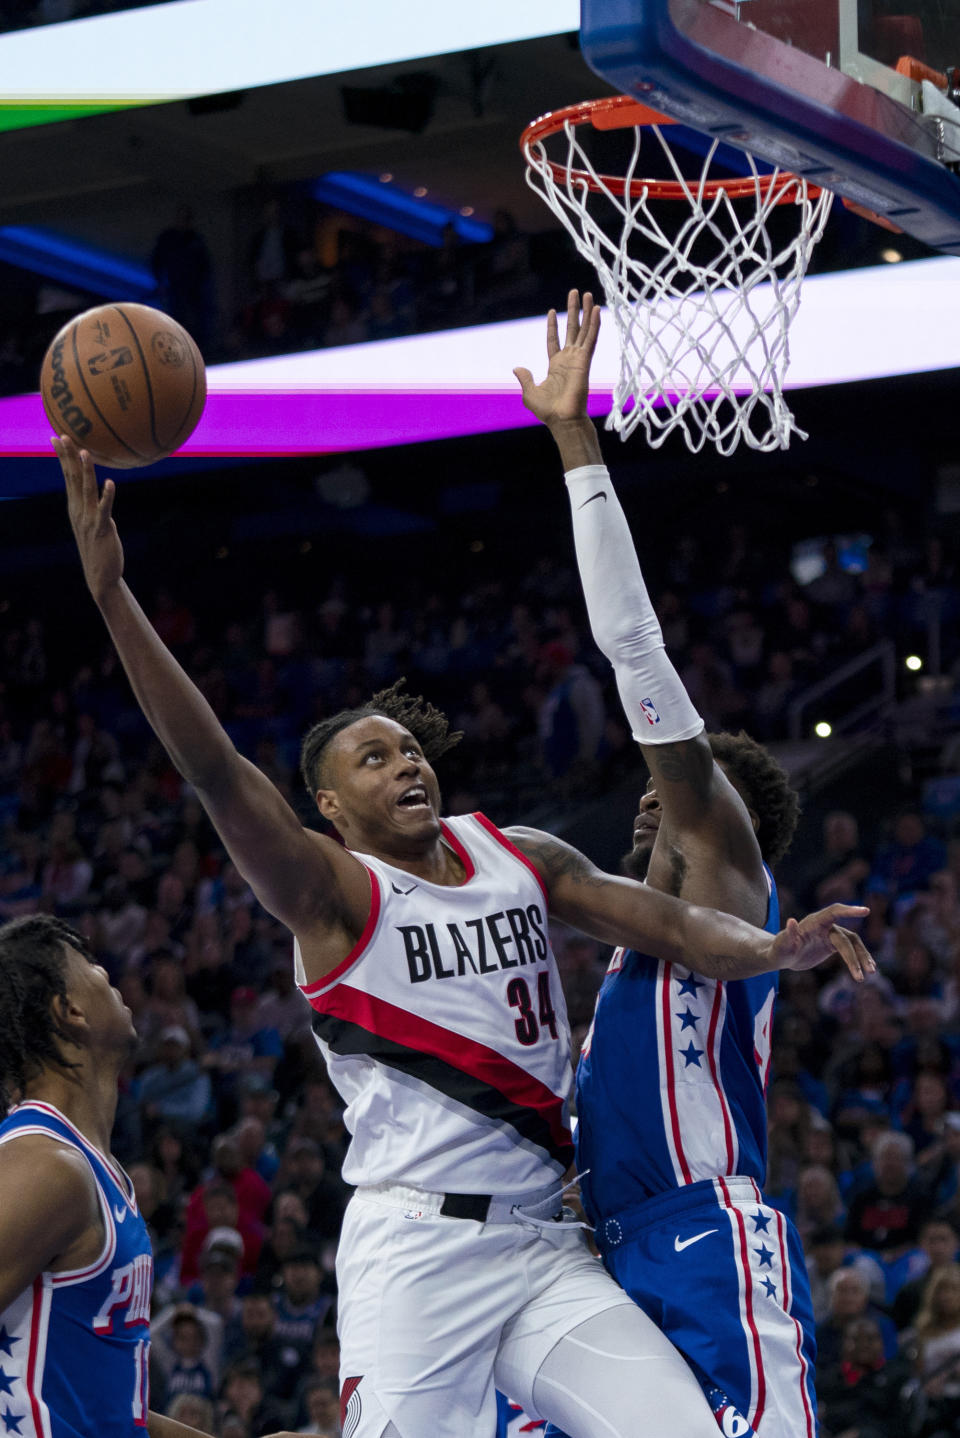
column 671, row 1081
column 74, row 1346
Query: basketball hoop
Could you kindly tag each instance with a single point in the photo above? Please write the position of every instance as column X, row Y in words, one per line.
column 702, row 307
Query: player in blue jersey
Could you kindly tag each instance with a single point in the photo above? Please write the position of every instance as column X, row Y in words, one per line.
column 671, row 1083
column 76, row 1270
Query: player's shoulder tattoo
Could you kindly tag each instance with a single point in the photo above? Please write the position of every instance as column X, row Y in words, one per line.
column 554, row 858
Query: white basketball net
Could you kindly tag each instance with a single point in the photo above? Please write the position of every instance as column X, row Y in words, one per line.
column 703, row 338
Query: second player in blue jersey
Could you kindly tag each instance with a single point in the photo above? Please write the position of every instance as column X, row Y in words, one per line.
column 671, row 1083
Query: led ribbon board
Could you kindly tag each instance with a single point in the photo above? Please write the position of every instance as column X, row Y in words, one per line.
column 856, row 325
column 204, row 47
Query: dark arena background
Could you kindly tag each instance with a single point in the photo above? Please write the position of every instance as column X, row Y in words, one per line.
column 811, row 597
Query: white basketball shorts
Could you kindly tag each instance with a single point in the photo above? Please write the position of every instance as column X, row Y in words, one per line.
column 436, row 1313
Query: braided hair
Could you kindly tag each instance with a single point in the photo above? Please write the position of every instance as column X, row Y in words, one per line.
column 429, row 726
column 33, row 972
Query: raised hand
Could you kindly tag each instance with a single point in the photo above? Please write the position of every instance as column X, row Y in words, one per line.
column 809, row 942
column 562, row 396
column 91, row 518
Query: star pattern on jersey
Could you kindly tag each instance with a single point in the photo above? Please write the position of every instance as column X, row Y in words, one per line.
column 761, row 1221
column 765, row 1256
column 689, row 985
column 6, row 1382
column 770, row 1286
column 691, row 1055
column 688, row 1020
column 12, row 1420
column 7, row 1340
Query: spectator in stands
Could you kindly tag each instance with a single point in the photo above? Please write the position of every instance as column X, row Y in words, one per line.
column 818, row 1203
column 938, row 1249
column 321, row 1408
column 188, row 1373
column 174, row 1089
column 245, row 1046
column 245, row 1409
column 214, row 1207
column 253, row 1336
column 937, row 1330
column 571, row 717
column 907, row 863
column 827, row 1253
column 865, row 1393
column 303, row 1172
column 193, row 1411
column 887, row 1210
column 185, row 1341
column 840, row 866
column 848, row 1293
column 286, row 1237
column 300, row 1304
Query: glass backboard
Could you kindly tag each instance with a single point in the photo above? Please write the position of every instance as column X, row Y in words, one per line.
column 856, row 95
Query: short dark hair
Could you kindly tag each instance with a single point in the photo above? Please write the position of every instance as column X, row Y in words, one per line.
column 429, row 726
column 32, row 974
column 766, row 788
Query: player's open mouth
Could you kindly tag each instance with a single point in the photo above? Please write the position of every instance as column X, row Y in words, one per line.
column 414, row 798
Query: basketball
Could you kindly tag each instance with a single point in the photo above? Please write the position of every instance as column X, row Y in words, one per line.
column 126, row 382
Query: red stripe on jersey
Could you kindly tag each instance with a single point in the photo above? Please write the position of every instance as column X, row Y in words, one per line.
column 35, row 1379
column 389, row 1021
column 754, row 1417
column 671, row 1079
column 460, row 852
column 336, row 974
column 495, row 833
column 787, row 1299
column 712, row 1061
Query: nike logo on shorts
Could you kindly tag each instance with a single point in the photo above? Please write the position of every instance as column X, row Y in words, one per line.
column 119, row 1213
column 679, row 1245
column 600, row 494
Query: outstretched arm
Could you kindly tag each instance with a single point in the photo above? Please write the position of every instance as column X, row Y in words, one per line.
column 719, row 946
column 702, row 814
column 307, row 881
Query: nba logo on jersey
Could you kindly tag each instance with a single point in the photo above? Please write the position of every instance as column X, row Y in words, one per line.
column 650, row 711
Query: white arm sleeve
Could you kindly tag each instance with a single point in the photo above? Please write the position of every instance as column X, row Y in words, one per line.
column 621, row 616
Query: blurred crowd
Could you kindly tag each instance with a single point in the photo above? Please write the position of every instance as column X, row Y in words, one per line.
column 308, row 277
column 227, row 1122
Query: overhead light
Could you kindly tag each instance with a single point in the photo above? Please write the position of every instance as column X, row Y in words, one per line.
column 398, row 209
column 69, row 262
column 386, row 177
column 914, row 663
column 890, row 256
column 823, row 730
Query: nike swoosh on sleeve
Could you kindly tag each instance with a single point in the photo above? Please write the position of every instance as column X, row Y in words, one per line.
column 600, row 494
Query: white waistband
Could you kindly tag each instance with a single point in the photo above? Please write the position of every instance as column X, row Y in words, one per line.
column 504, row 1208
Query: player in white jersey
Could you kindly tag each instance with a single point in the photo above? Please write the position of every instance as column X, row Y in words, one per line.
column 420, row 946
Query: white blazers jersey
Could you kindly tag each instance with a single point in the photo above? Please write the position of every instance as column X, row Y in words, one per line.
column 445, row 1029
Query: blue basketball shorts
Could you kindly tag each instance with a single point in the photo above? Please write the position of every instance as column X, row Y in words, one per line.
column 723, row 1275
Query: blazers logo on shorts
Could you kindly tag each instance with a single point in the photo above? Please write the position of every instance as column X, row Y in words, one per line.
column 350, row 1406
